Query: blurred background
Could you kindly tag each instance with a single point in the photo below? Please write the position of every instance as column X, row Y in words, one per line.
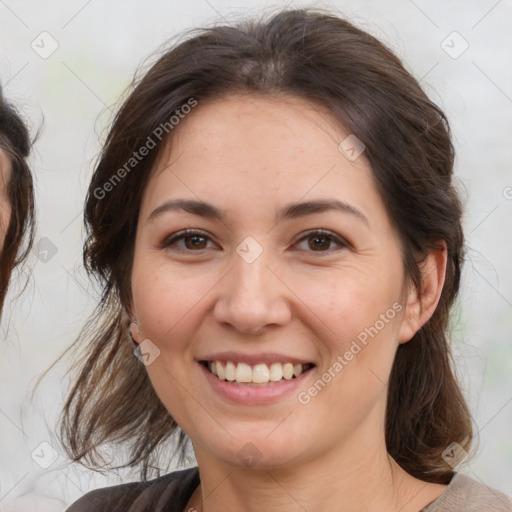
column 66, row 65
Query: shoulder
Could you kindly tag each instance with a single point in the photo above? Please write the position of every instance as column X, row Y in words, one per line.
column 153, row 495
column 465, row 494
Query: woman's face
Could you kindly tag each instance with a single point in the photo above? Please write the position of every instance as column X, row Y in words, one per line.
column 256, row 284
column 5, row 208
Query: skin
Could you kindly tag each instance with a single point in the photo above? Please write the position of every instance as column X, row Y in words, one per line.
column 249, row 156
column 5, row 209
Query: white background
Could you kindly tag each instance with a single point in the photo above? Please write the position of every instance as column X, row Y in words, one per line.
column 71, row 95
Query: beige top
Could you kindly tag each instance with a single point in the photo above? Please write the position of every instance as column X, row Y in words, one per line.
column 465, row 494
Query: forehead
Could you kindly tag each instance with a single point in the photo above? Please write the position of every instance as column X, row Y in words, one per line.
column 268, row 128
column 257, row 138
column 262, row 150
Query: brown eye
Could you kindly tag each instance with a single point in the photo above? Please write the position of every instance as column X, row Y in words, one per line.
column 320, row 241
column 192, row 241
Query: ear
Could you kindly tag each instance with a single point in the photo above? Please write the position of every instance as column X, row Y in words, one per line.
column 133, row 327
column 418, row 309
column 134, row 331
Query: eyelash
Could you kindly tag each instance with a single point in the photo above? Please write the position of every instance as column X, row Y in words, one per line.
column 189, row 233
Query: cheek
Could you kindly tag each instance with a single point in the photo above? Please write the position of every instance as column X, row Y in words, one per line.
column 350, row 302
column 357, row 315
column 5, row 216
column 164, row 300
column 5, row 207
column 164, row 303
column 363, row 316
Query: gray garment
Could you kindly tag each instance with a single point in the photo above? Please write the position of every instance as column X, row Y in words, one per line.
column 464, row 494
column 171, row 493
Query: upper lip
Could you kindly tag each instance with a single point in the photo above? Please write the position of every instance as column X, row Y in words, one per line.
column 252, row 359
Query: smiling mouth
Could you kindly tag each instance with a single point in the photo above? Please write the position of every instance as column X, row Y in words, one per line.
column 258, row 375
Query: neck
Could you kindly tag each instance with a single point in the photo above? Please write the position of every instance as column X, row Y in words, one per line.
column 352, row 481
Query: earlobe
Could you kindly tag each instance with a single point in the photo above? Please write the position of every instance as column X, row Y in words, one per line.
column 419, row 309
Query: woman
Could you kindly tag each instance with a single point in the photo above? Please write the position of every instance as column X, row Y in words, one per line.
column 16, row 194
column 276, row 230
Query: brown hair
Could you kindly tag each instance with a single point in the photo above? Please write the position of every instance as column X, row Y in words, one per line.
column 317, row 56
column 15, row 142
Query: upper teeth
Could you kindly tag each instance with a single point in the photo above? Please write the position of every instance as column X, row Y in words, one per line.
column 259, row 373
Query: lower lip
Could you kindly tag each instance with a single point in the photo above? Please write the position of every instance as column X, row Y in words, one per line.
column 253, row 394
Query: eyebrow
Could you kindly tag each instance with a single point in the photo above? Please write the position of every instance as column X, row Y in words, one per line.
column 289, row 211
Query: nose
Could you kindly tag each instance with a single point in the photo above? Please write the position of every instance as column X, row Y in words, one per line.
column 252, row 297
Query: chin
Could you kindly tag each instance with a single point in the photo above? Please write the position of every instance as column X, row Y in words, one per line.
column 256, row 450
